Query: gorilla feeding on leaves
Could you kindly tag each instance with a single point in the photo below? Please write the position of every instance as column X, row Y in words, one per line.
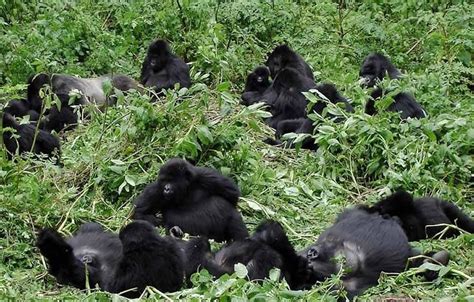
column 200, row 201
column 285, row 57
column 370, row 244
column 373, row 70
column 162, row 69
column 90, row 90
column 420, row 218
column 43, row 143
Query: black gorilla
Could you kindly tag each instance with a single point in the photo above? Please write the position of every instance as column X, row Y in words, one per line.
column 44, row 142
column 305, row 125
column 20, row 108
column 148, row 260
column 256, row 85
column 290, row 103
column 162, row 69
column 419, row 217
column 284, row 57
column 200, row 201
column 91, row 254
column 373, row 69
column 369, row 243
column 268, row 248
column 90, row 90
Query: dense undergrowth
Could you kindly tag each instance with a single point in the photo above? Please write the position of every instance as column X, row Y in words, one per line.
column 108, row 160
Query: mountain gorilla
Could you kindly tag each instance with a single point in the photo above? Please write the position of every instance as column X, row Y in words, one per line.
column 266, row 249
column 305, row 125
column 369, row 243
column 20, row 108
column 200, row 201
column 256, row 85
column 90, row 90
column 125, row 264
column 284, row 57
column 162, row 69
column 23, row 139
column 420, row 218
column 373, row 70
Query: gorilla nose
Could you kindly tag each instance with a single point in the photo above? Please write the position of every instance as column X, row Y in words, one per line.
column 167, row 189
column 312, row 254
column 87, row 259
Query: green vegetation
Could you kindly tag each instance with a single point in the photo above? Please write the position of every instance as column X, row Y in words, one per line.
column 109, row 159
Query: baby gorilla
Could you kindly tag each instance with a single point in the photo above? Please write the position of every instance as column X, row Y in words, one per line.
column 369, row 243
column 420, row 218
column 200, row 201
column 285, row 57
column 373, row 70
column 44, row 142
column 148, row 260
column 257, row 83
column 90, row 255
column 162, row 69
column 268, row 248
column 90, row 90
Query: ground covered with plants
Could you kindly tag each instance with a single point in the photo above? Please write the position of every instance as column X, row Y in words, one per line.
column 108, row 160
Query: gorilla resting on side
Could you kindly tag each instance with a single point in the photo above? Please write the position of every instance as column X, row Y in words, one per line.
column 370, row 244
column 419, row 217
column 162, row 69
column 200, row 201
column 23, row 139
column 373, row 70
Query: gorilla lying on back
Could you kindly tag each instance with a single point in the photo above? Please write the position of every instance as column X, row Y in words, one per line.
column 419, row 217
column 305, row 125
column 285, row 57
column 372, row 71
column 162, row 69
column 370, row 244
column 125, row 264
column 200, row 201
column 256, row 85
column 266, row 249
column 90, row 90
column 43, row 143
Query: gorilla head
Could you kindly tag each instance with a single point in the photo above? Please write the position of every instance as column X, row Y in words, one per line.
column 374, row 68
column 175, row 178
column 282, row 57
column 158, row 54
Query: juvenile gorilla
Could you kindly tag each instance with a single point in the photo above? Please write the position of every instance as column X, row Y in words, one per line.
column 90, row 90
column 43, row 143
column 373, row 70
column 148, row 260
column 369, row 243
column 162, row 69
column 200, row 201
column 256, row 85
column 268, row 248
column 91, row 251
column 20, row 108
column 305, row 125
column 284, row 57
column 419, row 217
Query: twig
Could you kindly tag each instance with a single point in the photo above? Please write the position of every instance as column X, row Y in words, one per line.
column 419, row 40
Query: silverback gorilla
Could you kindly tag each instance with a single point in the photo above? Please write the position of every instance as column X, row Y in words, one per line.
column 162, row 69
column 200, row 201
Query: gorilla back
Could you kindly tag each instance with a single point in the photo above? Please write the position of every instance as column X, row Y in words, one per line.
column 370, row 245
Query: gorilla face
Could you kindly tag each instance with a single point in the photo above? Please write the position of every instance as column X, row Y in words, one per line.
column 158, row 54
column 175, row 178
column 374, row 68
column 321, row 260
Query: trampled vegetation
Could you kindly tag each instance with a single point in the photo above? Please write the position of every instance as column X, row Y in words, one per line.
column 108, row 160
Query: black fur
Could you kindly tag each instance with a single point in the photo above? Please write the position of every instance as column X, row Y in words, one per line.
column 257, row 83
column 403, row 103
column 45, row 142
column 418, row 216
column 375, row 67
column 268, row 248
column 20, row 108
column 370, row 245
column 162, row 69
column 284, row 57
column 90, row 251
column 148, row 260
column 200, row 201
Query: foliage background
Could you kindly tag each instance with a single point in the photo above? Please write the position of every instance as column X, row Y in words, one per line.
column 108, row 160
